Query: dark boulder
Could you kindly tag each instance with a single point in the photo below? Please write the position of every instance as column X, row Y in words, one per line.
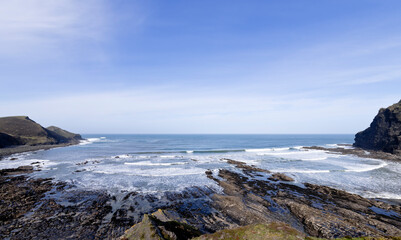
column 384, row 133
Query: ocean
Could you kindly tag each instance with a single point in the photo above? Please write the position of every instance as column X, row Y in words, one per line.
column 158, row 163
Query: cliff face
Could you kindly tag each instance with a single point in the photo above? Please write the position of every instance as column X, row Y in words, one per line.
column 21, row 130
column 384, row 133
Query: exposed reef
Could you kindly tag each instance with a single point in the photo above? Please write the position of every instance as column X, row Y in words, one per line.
column 363, row 153
column 250, row 200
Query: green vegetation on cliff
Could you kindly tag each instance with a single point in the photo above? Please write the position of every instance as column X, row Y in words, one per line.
column 275, row 230
column 21, row 130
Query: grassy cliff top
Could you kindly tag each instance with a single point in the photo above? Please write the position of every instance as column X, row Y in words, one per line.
column 28, row 132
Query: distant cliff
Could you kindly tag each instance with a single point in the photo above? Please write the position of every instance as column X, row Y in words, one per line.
column 21, row 130
column 384, row 133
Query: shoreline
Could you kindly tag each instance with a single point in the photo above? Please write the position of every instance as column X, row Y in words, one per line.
column 249, row 196
column 5, row 152
column 363, row 153
column 35, row 207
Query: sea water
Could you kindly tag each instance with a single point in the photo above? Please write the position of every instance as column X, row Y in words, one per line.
column 158, row 163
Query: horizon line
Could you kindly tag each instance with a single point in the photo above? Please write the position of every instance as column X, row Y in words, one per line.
column 220, row 133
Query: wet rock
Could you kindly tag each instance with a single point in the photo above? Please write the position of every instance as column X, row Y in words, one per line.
column 15, row 171
column 319, row 211
column 364, row 153
column 159, row 226
column 280, row 177
column 245, row 167
column 29, row 211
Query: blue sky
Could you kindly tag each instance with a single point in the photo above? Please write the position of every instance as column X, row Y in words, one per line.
column 200, row 66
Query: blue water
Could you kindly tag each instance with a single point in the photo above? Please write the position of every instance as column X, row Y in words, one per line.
column 158, row 163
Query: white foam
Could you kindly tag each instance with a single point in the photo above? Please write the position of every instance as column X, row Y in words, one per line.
column 300, row 171
column 170, row 156
column 154, row 172
column 294, row 153
column 345, row 146
column 148, row 163
column 91, row 140
column 24, row 162
column 190, row 151
column 332, row 145
column 123, row 156
column 266, row 149
column 384, row 195
column 366, row 168
column 314, row 159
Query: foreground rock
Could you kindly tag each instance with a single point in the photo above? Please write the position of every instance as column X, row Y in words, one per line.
column 20, row 134
column 384, row 133
column 252, row 197
column 42, row 209
column 31, row 209
column 159, row 226
column 317, row 210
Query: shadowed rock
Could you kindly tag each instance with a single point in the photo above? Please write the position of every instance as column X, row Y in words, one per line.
column 384, row 133
column 7, row 140
column 159, row 226
column 15, row 171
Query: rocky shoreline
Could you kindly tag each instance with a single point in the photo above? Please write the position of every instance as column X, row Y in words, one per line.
column 345, row 149
column 248, row 196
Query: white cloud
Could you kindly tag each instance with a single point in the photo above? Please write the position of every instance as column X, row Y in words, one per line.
column 45, row 26
column 163, row 111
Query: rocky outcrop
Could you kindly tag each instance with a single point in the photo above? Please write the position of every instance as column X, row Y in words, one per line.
column 319, row 211
column 259, row 205
column 21, row 130
column 159, row 226
column 363, row 153
column 41, row 209
column 384, row 133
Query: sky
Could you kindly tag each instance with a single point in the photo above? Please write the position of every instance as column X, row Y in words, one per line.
column 280, row 67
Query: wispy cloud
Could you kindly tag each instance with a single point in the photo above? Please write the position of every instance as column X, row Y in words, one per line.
column 160, row 110
column 43, row 26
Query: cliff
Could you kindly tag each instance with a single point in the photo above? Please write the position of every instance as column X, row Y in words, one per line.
column 384, row 133
column 21, row 130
